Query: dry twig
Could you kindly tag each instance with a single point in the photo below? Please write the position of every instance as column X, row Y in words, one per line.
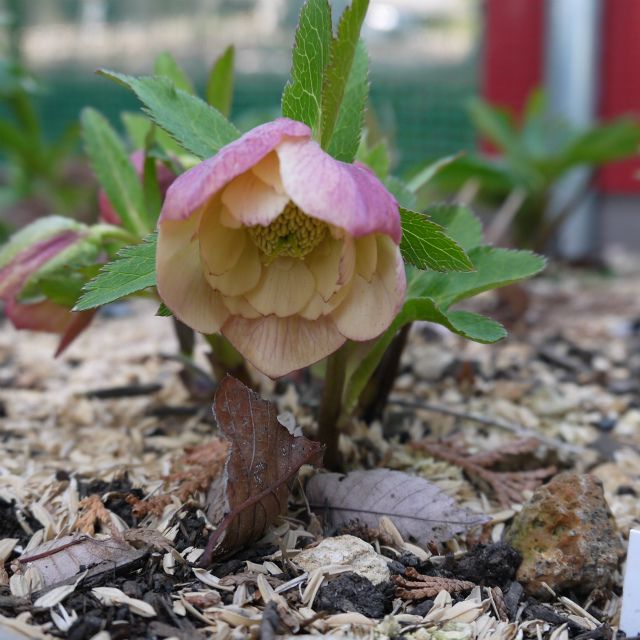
column 508, row 486
column 421, row 586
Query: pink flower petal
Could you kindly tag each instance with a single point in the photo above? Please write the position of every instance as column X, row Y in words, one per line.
column 181, row 282
column 277, row 346
column 345, row 195
column 22, row 266
column 194, row 187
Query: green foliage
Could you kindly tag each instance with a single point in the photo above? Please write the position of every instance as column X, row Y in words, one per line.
column 536, row 153
column 198, row 127
column 110, row 163
column 167, row 66
column 219, row 90
column 134, row 269
column 430, row 295
column 302, row 96
column 425, row 245
column 336, row 76
column 348, row 127
column 376, row 158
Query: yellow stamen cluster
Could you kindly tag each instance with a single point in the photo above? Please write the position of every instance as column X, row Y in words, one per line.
column 292, row 234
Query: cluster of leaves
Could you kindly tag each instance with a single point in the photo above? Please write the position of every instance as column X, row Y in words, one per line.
column 328, row 91
column 39, row 169
column 535, row 153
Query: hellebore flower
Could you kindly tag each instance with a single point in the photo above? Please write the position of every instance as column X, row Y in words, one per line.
column 40, row 247
column 283, row 249
column 165, row 177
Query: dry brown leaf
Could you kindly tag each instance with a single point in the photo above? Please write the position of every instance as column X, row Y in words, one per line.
column 421, row 586
column 65, row 557
column 263, row 457
column 419, row 509
column 508, row 486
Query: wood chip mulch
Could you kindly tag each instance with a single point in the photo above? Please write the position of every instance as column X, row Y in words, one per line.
column 90, row 440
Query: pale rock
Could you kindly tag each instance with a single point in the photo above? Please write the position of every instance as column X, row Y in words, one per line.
column 431, row 361
column 349, row 551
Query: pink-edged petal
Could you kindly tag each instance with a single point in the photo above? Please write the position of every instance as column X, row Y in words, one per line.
column 252, row 201
column 285, row 287
column 268, row 170
column 348, row 196
column 243, row 277
column 371, row 306
column 277, row 346
column 220, row 246
column 15, row 274
column 44, row 316
column 194, row 187
column 181, row 282
column 79, row 322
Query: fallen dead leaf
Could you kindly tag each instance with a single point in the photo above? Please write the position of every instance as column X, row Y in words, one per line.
column 263, row 458
column 419, row 509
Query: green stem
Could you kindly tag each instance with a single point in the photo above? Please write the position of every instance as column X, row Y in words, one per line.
column 331, row 406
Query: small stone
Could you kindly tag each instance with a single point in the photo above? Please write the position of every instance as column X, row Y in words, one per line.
column 567, row 537
column 349, row 551
column 431, row 362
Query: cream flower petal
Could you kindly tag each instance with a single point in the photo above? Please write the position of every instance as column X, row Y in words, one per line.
column 252, row 201
column 366, row 256
column 181, row 282
column 277, row 346
column 195, row 187
column 285, row 288
column 238, row 306
column 243, row 277
column 324, row 264
column 268, row 170
column 220, row 246
column 371, row 306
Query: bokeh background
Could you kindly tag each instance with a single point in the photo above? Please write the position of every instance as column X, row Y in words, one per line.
column 429, row 57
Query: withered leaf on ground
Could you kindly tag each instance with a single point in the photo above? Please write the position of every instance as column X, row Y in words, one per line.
column 62, row 559
column 263, row 458
column 420, row 510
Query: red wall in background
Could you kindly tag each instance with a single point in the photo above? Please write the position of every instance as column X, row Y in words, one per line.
column 514, row 50
column 513, row 64
column 620, row 84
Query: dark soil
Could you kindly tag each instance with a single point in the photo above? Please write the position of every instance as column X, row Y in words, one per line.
column 352, row 592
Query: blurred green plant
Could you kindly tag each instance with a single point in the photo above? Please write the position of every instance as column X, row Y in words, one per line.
column 535, row 154
column 40, row 175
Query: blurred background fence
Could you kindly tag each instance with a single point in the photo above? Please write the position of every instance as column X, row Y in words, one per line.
column 424, row 58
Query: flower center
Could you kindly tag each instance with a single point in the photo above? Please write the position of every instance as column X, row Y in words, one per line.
column 292, row 234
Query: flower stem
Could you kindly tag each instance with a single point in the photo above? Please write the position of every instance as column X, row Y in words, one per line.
column 331, row 406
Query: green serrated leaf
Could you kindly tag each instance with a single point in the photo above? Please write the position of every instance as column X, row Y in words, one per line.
column 493, row 268
column 219, row 90
column 464, row 323
column 198, row 127
column 110, row 162
column 164, row 311
column 348, row 127
column 134, row 269
column 302, row 96
column 425, row 245
column 343, row 51
column 167, row 66
column 428, row 172
column 398, row 188
column 459, row 222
